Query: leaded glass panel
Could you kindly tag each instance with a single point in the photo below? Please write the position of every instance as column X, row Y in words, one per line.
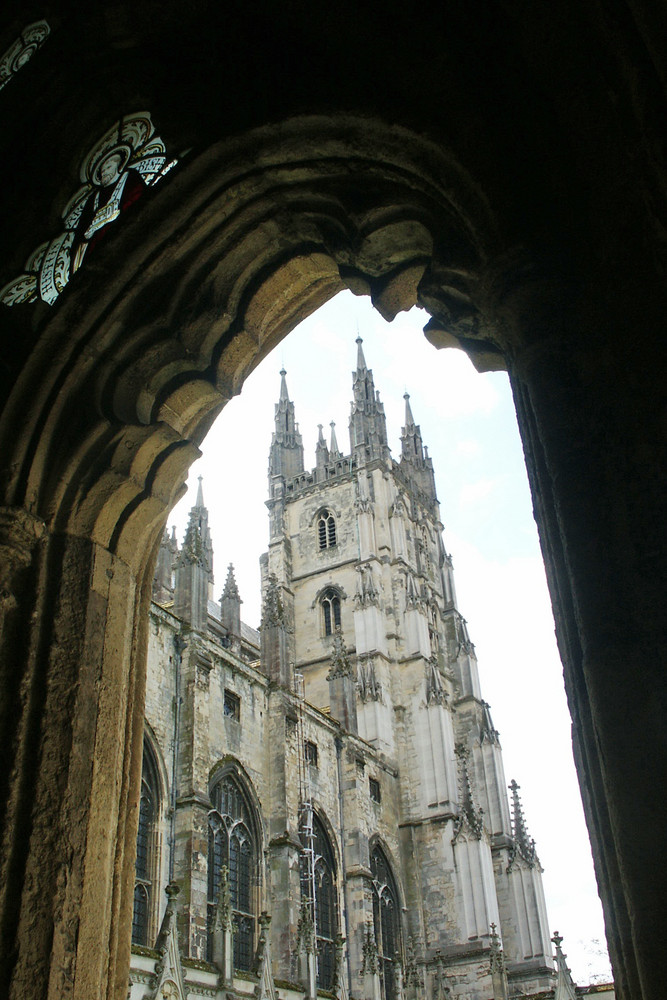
column 386, row 921
column 231, row 843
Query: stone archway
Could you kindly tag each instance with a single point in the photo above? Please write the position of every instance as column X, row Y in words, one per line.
column 126, row 376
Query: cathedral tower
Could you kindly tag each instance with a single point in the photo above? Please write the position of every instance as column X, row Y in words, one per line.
column 368, row 592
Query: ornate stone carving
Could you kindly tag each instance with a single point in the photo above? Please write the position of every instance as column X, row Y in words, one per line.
column 367, row 593
column 470, row 819
column 369, row 952
column 273, row 612
column 441, row 989
column 436, row 693
column 168, row 982
column 523, row 845
column 368, row 686
column 340, row 661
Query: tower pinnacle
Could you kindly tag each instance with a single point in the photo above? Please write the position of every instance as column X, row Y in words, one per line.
column 415, row 461
column 525, row 845
column 361, row 361
column 286, row 454
column 368, row 427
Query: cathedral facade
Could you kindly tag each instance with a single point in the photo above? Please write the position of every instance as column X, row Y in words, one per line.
column 324, row 807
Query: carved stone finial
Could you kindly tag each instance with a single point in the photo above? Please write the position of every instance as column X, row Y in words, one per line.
column 340, row 662
column 369, row 952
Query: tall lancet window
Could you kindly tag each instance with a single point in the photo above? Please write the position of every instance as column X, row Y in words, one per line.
column 143, row 917
column 330, row 611
column 318, row 884
column 386, row 921
column 326, row 530
column 232, row 842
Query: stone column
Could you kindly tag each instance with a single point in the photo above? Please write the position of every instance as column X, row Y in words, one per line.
column 192, row 798
column 72, row 660
column 592, row 425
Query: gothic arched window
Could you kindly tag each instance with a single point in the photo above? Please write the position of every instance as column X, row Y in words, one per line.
column 318, row 886
column 386, row 921
column 326, row 529
column 146, row 863
column 330, row 602
column 232, row 843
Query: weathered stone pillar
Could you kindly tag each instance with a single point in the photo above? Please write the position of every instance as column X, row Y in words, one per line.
column 72, row 651
column 192, row 798
column 223, row 931
column 285, row 891
column 592, row 429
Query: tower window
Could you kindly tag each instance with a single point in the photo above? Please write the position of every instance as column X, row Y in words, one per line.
column 374, row 789
column 310, row 752
column 331, row 611
column 326, row 530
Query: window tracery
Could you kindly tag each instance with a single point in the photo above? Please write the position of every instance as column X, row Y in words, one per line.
column 129, row 158
column 386, row 921
column 322, row 898
column 330, row 602
column 146, row 863
column 326, row 530
column 232, row 843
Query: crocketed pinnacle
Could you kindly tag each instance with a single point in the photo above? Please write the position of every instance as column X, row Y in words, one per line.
column 334, row 451
column 524, row 843
column 340, row 663
column 565, row 987
column 409, row 419
column 361, row 361
column 231, row 591
column 197, row 544
column 286, row 453
column 200, row 493
column 273, row 611
column 368, row 427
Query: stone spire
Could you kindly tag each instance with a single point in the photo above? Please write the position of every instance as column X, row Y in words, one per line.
column 368, row 427
column 415, row 462
column 286, row 454
column 334, row 450
column 524, row 845
column 194, row 567
column 164, row 568
column 321, row 450
column 565, row 985
column 230, row 606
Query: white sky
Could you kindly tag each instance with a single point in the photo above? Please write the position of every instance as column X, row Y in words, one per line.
column 469, row 425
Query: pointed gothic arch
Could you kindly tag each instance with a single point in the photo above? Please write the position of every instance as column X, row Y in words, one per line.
column 146, row 903
column 234, row 855
column 326, row 908
column 387, row 922
column 107, row 413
